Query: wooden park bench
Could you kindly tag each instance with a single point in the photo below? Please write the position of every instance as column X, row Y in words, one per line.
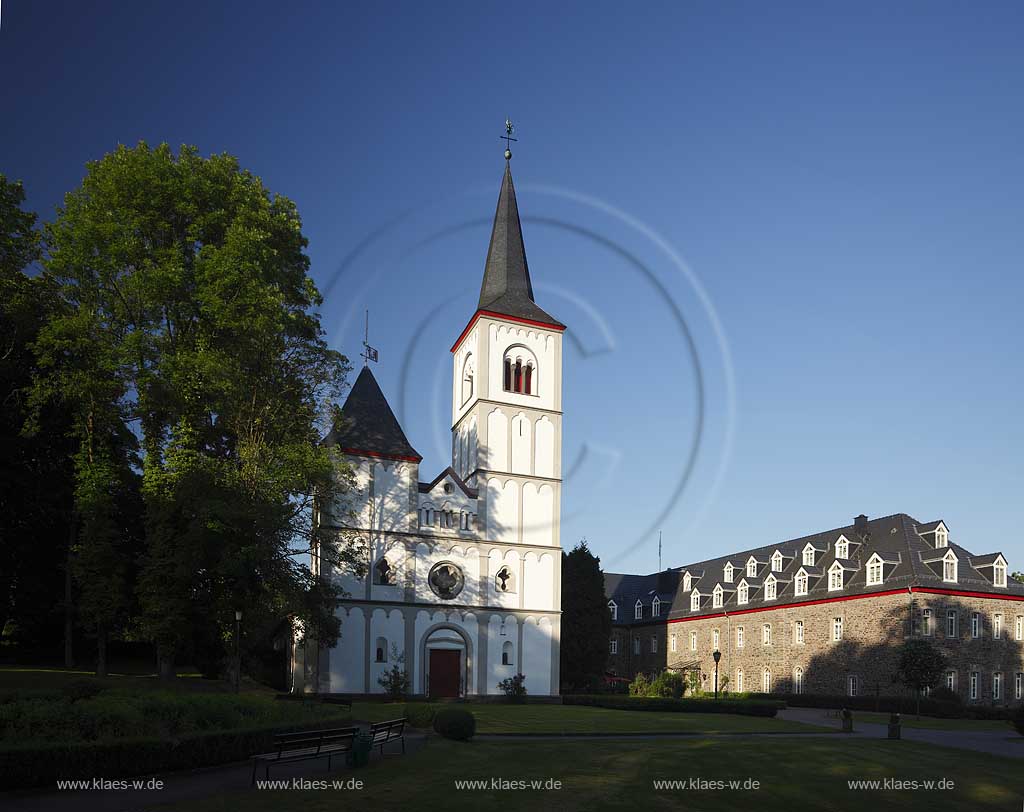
column 383, row 732
column 306, row 745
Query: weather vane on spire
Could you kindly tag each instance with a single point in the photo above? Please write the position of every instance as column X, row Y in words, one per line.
column 508, row 139
column 369, row 353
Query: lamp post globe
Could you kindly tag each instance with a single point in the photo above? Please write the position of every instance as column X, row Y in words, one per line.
column 717, row 656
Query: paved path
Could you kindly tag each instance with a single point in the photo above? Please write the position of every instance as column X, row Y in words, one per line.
column 995, row 742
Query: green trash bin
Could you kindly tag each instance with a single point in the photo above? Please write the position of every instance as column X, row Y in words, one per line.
column 361, row 748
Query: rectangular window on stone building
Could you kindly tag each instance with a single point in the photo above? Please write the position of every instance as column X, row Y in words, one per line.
column 693, row 641
column 975, row 624
column 926, row 622
column 997, row 626
column 1018, row 686
column 654, row 645
column 997, row 685
column 716, row 639
column 636, row 645
column 739, row 637
column 798, row 632
column 613, row 646
column 837, row 628
column 851, row 685
column 672, row 643
column 974, row 685
column 951, row 623
column 766, row 634
column 951, row 681
column 1018, row 628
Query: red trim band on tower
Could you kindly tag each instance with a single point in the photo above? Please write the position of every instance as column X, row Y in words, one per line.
column 532, row 322
column 359, row 452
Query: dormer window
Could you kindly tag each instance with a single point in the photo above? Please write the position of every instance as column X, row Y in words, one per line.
column 770, row 587
column 687, row 582
column 842, row 548
column 613, row 609
column 875, row 570
column 949, row 568
column 800, row 584
column 694, row 601
column 751, row 567
column 835, row 578
column 743, row 593
column 808, row 556
column 941, row 536
column 656, row 607
column 728, row 573
column 716, row 597
column 638, row 610
column 999, row 573
column 777, row 562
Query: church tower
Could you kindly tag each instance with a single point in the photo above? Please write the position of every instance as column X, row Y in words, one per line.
column 507, row 394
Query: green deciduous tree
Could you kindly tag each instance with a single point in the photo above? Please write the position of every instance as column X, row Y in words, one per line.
column 191, row 316
column 920, row 667
column 586, row 623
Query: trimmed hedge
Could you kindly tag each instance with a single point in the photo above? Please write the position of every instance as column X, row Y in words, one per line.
column 455, row 723
column 766, row 707
column 942, row 708
column 1018, row 720
column 24, row 766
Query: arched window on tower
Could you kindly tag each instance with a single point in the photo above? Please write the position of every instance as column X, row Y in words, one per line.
column 507, row 654
column 384, row 573
column 520, row 370
column 382, row 650
column 528, row 380
column 508, row 375
column 517, row 383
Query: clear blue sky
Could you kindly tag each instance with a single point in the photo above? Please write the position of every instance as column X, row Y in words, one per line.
column 846, row 184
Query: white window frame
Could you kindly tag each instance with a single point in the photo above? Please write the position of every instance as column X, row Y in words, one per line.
column 729, row 572
column 751, row 567
column 654, row 644
column 875, row 570
column 999, row 573
column 613, row 646
column 673, row 644
column 798, row 680
column 638, row 610
column 687, row 582
column 997, row 626
column 800, row 583
column 926, row 622
column 835, row 578
column 770, row 588
column 739, row 680
column 766, row 680
column 837, row 629
column 951, row 681
column 808, row 556
column 743, row 593
column 941, row 537
column 852, row 685
column 1018, row 627
column 997, row 685
column 798, row 632
column 694, row 601
column 974, row 686
column 716, row 639
column 842, row 548
column 693, row 641
column 636, row 646
column 952, row 624
column 949, row 568
column 656, row 607
column 739, row 637
column 1018, row 685
column 976, row 630
column 614, row 609
column 716, row 597
column 766, row 634
column 777, row 561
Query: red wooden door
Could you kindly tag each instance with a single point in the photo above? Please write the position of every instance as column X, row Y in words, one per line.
column 445, row 667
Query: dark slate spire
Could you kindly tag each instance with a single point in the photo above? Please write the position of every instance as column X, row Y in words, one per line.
column 368, row 426
column 507, row 288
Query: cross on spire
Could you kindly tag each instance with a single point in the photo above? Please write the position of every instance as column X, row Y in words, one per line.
column 369, row 353
column 508, row 139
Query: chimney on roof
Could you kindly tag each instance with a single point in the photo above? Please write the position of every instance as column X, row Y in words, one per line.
column 860, row 525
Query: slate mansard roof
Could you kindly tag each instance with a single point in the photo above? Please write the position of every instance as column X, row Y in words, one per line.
column 896, row 539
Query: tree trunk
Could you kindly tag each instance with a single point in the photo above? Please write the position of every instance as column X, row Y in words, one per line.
column 101, row 652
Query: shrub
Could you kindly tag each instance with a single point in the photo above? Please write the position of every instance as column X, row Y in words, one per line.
column 420, row 714
column 514, row 688
column 667, row 684
column 640, row 685
column 395, row 681
column 455, row 723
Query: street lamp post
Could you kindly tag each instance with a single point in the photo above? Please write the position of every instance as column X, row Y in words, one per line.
column 238, row 652
column 718, row 656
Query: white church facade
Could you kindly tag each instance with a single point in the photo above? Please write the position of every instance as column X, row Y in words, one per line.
column 463, row 577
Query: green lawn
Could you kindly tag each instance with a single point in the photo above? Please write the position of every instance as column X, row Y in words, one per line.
column 29, row 679
column 794, row 774
column 934, row 723
column 497, row 718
